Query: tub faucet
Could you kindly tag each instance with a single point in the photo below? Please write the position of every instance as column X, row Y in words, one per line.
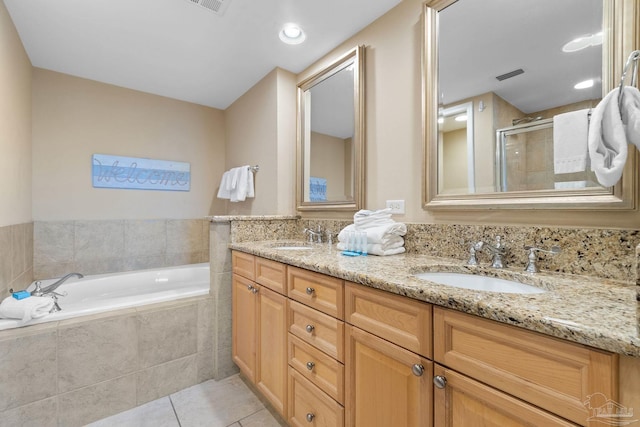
column 38, row 291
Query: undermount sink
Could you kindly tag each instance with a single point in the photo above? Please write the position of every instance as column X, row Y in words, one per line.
column 479, row 283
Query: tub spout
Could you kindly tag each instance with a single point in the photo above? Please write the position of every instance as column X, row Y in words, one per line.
column 52, row 287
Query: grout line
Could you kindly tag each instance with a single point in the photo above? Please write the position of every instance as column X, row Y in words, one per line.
column 174, row 411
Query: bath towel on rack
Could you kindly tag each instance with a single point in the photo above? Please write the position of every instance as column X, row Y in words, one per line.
column 237, row 184
column 570, row 135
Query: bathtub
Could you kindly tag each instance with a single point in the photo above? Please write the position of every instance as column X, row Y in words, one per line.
column 105, row 292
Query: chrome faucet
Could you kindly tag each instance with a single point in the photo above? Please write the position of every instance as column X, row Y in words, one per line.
column 317, row 234
column 531, row 266
column 38, row 291
column 498, row 251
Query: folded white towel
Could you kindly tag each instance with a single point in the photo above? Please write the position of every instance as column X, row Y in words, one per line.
column 630, row 113
column 570, row 134
column 25, row 309
column 366, row 218
column 376, row 248
column 382, row 234
column 607, row 140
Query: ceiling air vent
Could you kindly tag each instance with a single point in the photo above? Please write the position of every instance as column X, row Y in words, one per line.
column 510, row 74
column 216, row 6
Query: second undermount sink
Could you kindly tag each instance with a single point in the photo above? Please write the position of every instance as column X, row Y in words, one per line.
column 479, row 283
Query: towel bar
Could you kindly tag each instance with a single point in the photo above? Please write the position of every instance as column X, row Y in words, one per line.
column 254, row 169
column 633, row 59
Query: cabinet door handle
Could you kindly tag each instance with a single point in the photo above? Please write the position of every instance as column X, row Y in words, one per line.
column 310, row 328
column 310, row 291
column 310, row 417
column 417, row 370
column 250, row 287
column 254, row 290
column 439, row 381
column 310, row 366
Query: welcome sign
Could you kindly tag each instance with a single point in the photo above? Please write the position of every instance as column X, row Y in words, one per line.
column 139, row 174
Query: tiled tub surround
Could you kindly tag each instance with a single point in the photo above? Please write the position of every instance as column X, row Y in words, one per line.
column 597, row 312
column 96, row 247
column 75, row 371
column 16, row 257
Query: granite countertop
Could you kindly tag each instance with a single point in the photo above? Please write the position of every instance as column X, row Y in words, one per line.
column 596, row 312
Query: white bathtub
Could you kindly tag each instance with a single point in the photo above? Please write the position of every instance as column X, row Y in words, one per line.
column 106, row 292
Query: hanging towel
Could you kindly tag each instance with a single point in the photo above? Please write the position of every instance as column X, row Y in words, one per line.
column 607, row 140
column 237, row 184
column 630, row 114
column 570, row 133
column 225, row 183
column 26, row 309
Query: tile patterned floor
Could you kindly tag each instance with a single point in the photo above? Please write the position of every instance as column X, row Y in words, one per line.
column 225, row 403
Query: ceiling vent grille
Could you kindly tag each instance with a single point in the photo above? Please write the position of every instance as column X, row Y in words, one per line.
column 216, row 6
column 510, row 74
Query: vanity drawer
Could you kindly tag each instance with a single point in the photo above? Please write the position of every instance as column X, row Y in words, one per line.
column 271, row 274
column 243, row 264
column 317, row 290
column 322, row 370
column 310, row 406
column 321, row 331
column 403, row 321
column 550, row 373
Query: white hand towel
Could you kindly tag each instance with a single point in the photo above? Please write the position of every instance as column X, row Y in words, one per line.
column 365, row 218
column 25, row 309
column 570, row 134
column 607, row 140
column 383, row 234
column 376, row 248
column 225, row 182
column 630, row 113
column 240, row 193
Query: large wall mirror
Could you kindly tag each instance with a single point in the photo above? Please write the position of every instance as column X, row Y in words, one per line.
column 331, row 136
column 496, row 75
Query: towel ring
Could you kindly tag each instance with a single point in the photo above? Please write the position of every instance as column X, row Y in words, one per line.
column 633, row 59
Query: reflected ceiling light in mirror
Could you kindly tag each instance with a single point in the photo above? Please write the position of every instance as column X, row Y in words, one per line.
column 461, row 118
column 440, row 120
column 583, row 42
column 292, row 34
column 584, row 85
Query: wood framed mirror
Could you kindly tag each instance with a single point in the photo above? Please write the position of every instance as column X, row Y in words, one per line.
column 331, row 140
column 467, row 47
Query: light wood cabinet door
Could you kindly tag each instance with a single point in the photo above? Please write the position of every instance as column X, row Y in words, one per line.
column 550, row 373
column 243, row 264
column 271, row 274
column 243, row 303
column 465, row 402
column 271, row 365
column 381, row 387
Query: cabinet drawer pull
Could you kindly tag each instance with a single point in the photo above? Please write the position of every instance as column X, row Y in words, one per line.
column 417, row 370
column 439, row 381
column 310, row 417
column 310, row 328
column 310, row 366
column 310, row 291
column 254, row 290
column 250, row 287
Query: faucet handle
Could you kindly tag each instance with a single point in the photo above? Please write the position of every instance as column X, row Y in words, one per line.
column 37, row 292
column 531, row 266
column 473, row 260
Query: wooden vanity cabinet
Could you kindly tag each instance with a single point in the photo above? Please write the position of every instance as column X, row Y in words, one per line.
column 259, row 332
column 387, row 381
column 552, row 374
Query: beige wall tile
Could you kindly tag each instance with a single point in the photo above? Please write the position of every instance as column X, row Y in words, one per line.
column 18, row 250
column 98, row 401
column 183, row 258
column 205, row 324
column 48, row 271
column 53, row 242
column 96, row 351
column 166, row 378
column 29, row 246
column 166, row 335
column 205, row 365
column 184, row 236
column 6, row 258
column 98, row 239
column 28, row 371
column 144, row 263
column 98, row 265
column 145, row 238
column 43, row 413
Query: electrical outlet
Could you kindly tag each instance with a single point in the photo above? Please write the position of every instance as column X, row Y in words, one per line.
column 397, row 206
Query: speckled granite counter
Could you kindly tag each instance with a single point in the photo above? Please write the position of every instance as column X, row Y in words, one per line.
column 596, row 312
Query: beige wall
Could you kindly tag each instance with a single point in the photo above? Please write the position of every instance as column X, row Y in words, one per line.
column 74, row 118
column 260, row 130
column 15, row 125
column 454, row 161
column 394, row 134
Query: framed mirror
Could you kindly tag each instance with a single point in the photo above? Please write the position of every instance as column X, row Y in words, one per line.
column 505, row 71
column 331, row 136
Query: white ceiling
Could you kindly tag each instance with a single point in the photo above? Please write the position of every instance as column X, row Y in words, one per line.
column 181, row 50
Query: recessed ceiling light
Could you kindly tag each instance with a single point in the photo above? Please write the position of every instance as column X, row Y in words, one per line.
column 292, row 34
column 584, row 85
column 583, row 42
column 461, row 118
